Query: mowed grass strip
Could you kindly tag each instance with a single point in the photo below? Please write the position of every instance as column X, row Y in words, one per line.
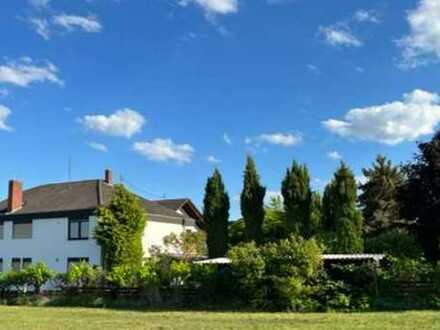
column 103, row 319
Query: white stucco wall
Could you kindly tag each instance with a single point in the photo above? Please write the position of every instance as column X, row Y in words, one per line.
column 159, row 227
column 49, row 244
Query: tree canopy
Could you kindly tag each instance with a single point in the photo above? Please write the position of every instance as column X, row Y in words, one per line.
column 120, row 228
column 252, row 202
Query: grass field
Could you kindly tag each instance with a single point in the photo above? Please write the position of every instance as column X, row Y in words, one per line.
column 77, row 318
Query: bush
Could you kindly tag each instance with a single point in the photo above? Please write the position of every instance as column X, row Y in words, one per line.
column 277, row 275
column 37, row 275
column 397, row 243
column 83, row 275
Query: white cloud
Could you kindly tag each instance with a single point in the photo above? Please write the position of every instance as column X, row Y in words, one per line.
column 363, row 15
column 71, row 22
column 124, row 122
column 98, row 146
column 391, row 123
column 39, row 3
column 313, row 68
column 271, row 194
column 422, row 44
column 282, row 139
column 339, row 36
column 5, row 112
column 25, row 72
column 334, row 155
column 227, row 139
column 360, row 179
column 212, row 7
column 213, row 160
column 164, row 150
column 41, row 26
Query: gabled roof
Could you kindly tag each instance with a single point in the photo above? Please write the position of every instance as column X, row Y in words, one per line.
column 68, row 197
column 184, row 205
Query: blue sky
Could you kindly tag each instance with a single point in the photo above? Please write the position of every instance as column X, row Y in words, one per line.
column 162, row 91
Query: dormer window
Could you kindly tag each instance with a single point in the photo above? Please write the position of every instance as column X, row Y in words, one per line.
column 78, row 229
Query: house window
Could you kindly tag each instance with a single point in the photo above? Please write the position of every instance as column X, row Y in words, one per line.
column 1, row 265
column 78, row 229
column 22, row 230
column 73, row 261
column 18, row 264
column 1, row 229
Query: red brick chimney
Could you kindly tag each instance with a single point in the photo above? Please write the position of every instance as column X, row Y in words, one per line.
column 108, row 176
column 15, row 197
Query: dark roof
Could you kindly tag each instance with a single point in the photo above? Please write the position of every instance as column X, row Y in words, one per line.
column 174, row 204
column 74, row 196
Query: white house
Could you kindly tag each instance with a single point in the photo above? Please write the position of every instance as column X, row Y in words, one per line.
column 54, row 223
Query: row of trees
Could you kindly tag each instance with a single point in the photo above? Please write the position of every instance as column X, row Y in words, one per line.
column 396, row 203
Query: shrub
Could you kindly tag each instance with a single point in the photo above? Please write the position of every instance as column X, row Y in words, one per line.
column 37, row 275
column 277, row 275
column 83, row 275
column 397, row 243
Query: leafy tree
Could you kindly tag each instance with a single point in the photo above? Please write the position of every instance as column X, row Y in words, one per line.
column 189, row 244
column 420, row 196
column 216, row 215
column 273, row 224
column 343, row 218
column 297, row 199
column 236, row 231
column 379, row 198
column 252, row 202
column 120, row 228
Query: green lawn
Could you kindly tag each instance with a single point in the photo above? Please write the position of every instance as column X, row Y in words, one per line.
column 102, row 319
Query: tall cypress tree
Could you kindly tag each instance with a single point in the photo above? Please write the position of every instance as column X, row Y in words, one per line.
column 379, row 198
column 252, row 202
column 297, row 200
column 216, row 215
column 342, row 212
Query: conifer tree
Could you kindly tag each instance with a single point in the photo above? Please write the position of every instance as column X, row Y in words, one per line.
column 379, row 198
column 315, row 214
column 216, row 215
column 342, row 212
column 421, row 196
column 252, row 202
column 297, row 200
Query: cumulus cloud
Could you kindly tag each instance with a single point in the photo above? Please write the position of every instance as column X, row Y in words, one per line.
column 5, row 112
column 272, row 194
column 213, row 7
column 88, row 24
column 391, row 123
column 165, row 150
column 339, row 36
column 422, row 44
column 368, row 16
column 98, row 146
column 124, row 122
column 281, row 139
column 334, row 155
column 25, row 72
column 213, row 160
